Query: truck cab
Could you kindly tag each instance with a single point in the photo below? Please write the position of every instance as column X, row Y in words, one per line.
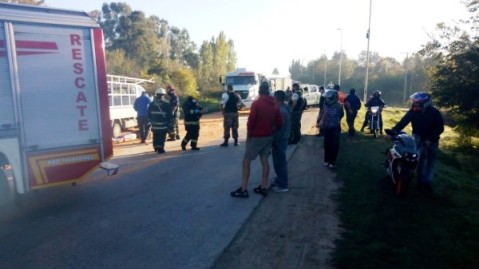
column 245, row 83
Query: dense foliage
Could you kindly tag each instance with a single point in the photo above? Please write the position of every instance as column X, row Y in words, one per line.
column 455, row 79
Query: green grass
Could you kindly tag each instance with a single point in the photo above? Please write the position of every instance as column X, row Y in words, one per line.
column 382, row 231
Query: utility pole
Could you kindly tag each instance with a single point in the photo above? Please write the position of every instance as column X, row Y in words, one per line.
column 368, row 36
column 405, row 78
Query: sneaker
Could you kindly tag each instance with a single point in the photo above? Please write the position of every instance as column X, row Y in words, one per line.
column 161, row 151
column 326, row 164
column 195, row 148
column 239, row 193
column 171, row 139
column 278, row 189
column 261, row 190
column 273, row 185
column 177, row 137
column 183, row 147
column 331, row 166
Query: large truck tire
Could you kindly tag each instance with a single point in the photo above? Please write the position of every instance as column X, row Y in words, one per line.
column 116, row 130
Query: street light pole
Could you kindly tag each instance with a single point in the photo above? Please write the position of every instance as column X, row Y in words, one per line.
column 405, row 78
column 340, row 56
column 365, row 97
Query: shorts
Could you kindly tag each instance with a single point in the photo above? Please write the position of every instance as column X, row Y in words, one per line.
column 258, row 146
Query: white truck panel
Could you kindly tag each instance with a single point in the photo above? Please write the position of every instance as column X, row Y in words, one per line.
column 7, row 117
column 69, row 98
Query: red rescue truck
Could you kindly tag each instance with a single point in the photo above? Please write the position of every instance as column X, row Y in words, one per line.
column 54, row 108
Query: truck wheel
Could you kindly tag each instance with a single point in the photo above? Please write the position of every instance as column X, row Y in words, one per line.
column 116, row 130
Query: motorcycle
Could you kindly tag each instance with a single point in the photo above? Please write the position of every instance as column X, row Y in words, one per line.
column 401, row 160
column 374, row 122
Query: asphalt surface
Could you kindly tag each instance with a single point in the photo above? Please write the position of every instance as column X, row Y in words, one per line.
column 159, row 211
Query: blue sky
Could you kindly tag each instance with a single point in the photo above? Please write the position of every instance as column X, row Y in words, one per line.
column 270, row 33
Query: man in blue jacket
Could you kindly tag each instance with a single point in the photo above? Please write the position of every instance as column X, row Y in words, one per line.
column 141, row 107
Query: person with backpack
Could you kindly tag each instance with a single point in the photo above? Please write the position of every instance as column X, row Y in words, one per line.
column 330, row 124
column 352, row 104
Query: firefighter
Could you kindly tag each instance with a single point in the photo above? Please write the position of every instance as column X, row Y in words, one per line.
column 192, row 113
column 173, row 130
column 160, row 115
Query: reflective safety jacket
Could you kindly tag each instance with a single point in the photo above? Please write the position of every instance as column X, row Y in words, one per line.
column 193, row 112
column 160, row 115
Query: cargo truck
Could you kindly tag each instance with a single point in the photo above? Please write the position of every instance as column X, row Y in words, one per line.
column 245, row 83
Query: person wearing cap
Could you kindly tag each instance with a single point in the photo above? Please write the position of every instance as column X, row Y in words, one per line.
column 141, row 107
column 159, row 114
column 173, row 131
column 352, row 104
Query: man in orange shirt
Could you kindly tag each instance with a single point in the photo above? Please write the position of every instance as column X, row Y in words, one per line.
column 341, row 94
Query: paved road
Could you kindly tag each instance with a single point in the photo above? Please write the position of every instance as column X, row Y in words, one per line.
column 168, row 211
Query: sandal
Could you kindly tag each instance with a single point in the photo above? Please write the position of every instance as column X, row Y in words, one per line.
column 261, row 190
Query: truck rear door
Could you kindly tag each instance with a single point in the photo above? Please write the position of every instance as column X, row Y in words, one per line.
column 59, row 102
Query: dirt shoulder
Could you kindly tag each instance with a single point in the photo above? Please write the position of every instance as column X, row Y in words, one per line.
column 295, row 229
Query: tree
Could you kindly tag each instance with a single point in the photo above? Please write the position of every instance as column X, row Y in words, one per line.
column 455, row 77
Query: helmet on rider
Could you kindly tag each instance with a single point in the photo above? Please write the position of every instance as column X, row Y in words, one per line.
column 330, row 97
column 420, row 100
column 377, row 93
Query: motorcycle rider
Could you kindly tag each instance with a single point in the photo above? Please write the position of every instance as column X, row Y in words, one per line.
column 427, row 126
column 375, row 100
column 159, row 113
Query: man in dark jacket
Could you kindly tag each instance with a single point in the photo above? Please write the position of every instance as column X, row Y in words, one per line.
column 297, row 107
column 427, row 126
column 193, row 112
column 375, row 100
column 159, row 113
column 352, row 104
column 173, row 130
column 230, row 103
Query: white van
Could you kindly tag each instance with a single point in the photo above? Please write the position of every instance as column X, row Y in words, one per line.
column 122, row 93
column 311, row 94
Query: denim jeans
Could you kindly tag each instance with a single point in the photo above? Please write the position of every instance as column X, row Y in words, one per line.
column 280, row 165
column 427, row 161
column 331, row 144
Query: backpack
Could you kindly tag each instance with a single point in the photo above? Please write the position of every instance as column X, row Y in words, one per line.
column 331, row 116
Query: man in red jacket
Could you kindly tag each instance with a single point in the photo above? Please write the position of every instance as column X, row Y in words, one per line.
column 263, row 119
